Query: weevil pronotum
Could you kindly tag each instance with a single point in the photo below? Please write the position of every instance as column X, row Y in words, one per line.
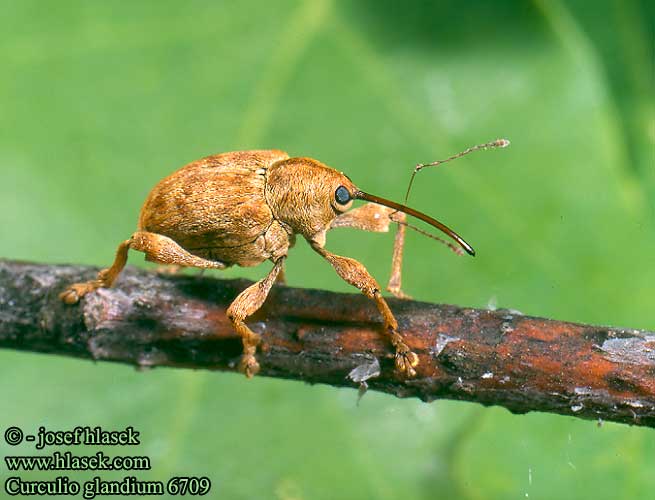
column 246, row 207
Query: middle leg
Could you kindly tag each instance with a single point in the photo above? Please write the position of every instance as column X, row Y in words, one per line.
column 246, row 303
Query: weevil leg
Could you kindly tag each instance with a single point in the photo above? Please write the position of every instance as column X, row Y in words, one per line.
column 163, row 250
column 246, row 303
column 369, row 217
column 395, row 278
column 377, row 218
column 157, row 248
column 356, row 274
column 105, row 278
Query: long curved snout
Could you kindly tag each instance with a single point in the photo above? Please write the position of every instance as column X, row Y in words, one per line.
column 361, row 195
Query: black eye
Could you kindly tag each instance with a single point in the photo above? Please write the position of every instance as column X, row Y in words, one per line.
column 342, row 195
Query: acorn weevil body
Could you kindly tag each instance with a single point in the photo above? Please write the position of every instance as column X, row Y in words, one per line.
column 245, row 207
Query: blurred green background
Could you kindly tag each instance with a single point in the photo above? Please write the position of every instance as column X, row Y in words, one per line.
column 99, row 100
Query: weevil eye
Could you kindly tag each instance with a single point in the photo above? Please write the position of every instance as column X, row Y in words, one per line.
column 342, row 195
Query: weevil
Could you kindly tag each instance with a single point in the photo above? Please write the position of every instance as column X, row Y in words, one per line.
column 243, row 208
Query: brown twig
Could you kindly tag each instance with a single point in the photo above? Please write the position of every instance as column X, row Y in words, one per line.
column 492, row 357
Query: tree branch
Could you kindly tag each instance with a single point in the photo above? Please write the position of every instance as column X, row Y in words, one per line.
column 490, row 357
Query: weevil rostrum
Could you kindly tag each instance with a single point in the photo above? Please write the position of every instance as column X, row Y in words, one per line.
column 243, row 208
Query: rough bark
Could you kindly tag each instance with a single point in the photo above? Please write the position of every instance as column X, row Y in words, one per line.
column 496, row 357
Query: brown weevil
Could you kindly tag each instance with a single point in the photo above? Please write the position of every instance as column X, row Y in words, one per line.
column 246, row 207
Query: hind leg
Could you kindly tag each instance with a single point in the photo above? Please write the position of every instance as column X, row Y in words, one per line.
column 157, row 248
column 105, row 278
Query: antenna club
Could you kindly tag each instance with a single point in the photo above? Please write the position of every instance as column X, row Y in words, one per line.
column 501, row 143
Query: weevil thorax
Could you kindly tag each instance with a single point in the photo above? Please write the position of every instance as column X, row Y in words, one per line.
column 307, row 195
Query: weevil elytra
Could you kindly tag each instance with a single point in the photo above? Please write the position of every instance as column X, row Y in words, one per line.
column 245, row 207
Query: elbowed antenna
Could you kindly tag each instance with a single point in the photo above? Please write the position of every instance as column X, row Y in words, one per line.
column 498, row 143
column 361, row 195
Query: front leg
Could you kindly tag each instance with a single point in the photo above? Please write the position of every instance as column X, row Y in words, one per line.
column 356, row 274
column 377, row 218
column 395, row 279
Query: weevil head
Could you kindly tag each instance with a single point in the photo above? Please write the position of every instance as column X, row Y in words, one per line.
column 307, row 195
